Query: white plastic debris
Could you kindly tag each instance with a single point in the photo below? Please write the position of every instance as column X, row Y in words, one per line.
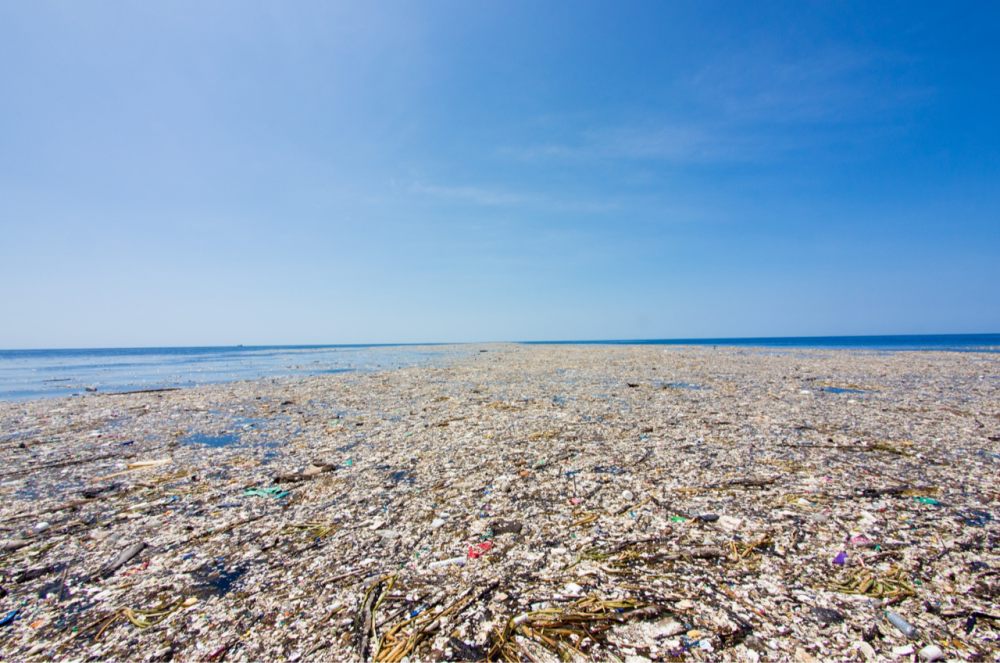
column 931, row 653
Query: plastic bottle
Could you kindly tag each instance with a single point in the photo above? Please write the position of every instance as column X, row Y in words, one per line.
column 457, row 561
column 906, row 628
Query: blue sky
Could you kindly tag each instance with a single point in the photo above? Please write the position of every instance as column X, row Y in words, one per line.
column 282, row 173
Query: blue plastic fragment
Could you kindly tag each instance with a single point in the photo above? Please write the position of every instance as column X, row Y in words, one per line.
column 9, row 618
column 976, row 518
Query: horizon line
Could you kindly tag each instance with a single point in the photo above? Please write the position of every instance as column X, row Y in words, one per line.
column 717, row 340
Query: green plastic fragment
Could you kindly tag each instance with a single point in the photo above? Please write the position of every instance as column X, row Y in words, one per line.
column 276, row 493
column 927, row 500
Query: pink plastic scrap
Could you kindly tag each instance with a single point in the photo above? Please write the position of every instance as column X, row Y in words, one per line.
column 479, row 549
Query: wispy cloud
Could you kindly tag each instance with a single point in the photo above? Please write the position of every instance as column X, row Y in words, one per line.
column 676, row 142
column 499, row 197
column 476, row 195
column 752, row 107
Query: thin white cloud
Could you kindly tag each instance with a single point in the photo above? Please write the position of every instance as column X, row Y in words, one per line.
column 754, row 107
column 476, row 195
column 498, row 197
column 676, row 142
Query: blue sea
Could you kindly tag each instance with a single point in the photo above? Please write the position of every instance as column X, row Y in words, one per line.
column 950, row 342
column 28, row 374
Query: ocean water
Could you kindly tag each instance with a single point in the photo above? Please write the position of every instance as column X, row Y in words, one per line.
column 27, row 374
column 950, row 342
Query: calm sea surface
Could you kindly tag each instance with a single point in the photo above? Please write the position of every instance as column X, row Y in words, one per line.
column 953, row 342
column 26, row 374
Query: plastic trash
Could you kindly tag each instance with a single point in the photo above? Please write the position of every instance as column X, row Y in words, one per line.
column 274, row 492
column 122, row 559
column 443, row 466
column 827, row 616
column 904, row 627
column 866, row 650
column 931, row 653
column 976, row 518
column 95, row 491
column 456, row 561
column 141, row 464
column 32, row 574
column 499, row 527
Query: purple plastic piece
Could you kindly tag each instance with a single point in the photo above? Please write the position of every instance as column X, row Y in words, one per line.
column 841, row 558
